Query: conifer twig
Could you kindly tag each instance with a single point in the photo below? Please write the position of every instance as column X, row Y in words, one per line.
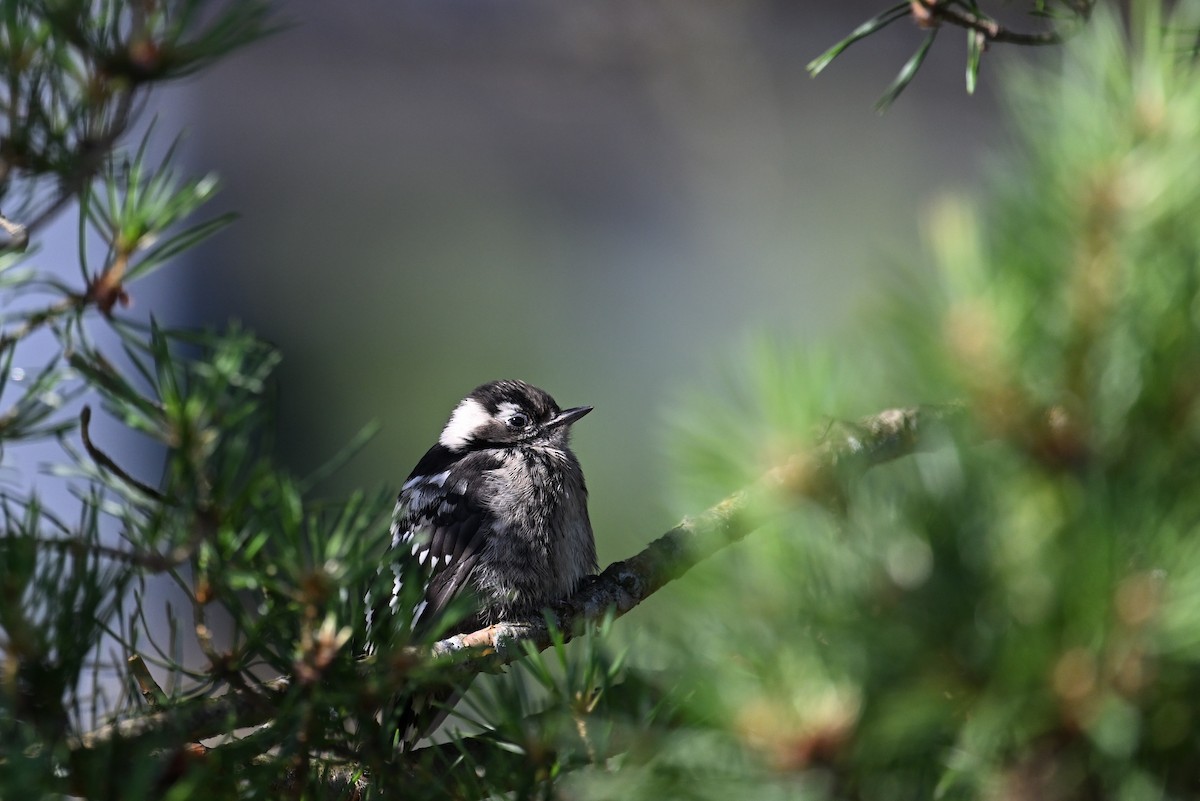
column 929, row 13
column 105, row 461
column 149, row 688
column 845, row 452
column 18, row 235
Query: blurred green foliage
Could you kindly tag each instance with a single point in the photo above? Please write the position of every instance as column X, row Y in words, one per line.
column 1013, row 613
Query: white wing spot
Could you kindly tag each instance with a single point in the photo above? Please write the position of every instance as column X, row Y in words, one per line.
column 397, row 587
column 424, row 555
column 468, row 418
column 436, row 480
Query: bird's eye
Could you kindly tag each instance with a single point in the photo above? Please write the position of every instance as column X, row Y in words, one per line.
column 518, row 421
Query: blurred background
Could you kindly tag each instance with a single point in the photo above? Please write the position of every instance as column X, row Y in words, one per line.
column 631, row 205
column 604, row 199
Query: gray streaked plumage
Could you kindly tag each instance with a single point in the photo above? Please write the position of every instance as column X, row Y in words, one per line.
column 497, row 509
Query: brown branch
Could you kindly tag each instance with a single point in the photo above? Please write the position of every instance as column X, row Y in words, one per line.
column 930, row 13
column 36, row 320
column 623, row 585
column 149, row 688
column 845, row 452
column 191, row 720
column 18, row 235
column 105, row 461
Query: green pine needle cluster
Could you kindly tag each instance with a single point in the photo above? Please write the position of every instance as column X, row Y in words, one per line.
column 1013, row 612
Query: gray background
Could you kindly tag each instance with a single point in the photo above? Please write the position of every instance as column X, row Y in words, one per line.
column 605, row 199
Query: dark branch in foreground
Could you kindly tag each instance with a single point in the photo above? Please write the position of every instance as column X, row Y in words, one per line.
column 929, row 13
column 846, row 451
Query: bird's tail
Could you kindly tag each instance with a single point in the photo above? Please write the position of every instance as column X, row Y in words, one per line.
column 420, row 715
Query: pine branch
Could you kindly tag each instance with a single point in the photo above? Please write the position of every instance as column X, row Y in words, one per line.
column 845, row 452
column 623, row 585
column 930, row 13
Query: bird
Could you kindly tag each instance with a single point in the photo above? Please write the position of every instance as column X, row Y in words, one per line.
column 495, row 513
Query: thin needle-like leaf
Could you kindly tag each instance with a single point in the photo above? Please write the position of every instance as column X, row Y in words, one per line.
column 907, row 73
column 975, row 43
column 869, row 27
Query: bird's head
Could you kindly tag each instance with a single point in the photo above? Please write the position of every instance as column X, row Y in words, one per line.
column 507, row 413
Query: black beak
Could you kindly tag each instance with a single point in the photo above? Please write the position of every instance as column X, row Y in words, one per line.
column 567, row 416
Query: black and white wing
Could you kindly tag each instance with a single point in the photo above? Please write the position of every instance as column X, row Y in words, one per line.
column 438, row 535
column 440, row 524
